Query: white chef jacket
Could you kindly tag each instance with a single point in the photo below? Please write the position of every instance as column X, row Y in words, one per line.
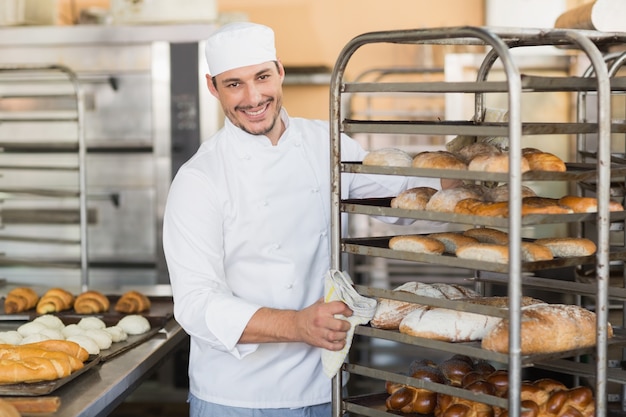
column 247, row 225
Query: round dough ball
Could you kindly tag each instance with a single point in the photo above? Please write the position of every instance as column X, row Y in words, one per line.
column 72, row 330
column 54, row 334
column 50, row 321
column 134, row 324
column 30, row 328
column 86, row 343
column 101, row 337
column 91, row 323
column 117, row 333
column 34, row 338
column 10, row 337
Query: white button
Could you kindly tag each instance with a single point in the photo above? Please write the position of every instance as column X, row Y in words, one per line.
column 289, row 286
column 315, row 190
column 324, row 233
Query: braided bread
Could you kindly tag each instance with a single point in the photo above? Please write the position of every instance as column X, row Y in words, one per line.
column 91, row 302
column 20, row 299
column 132, row 302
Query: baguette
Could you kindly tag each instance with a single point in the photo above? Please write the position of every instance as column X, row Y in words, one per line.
column 20, row 299
column 132, row 302
column 64, row 362
column 7, row 409
column 32, row 369
column 548, row 328
column 66, row 346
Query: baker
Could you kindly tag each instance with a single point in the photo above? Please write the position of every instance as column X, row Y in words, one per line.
column 247, row 241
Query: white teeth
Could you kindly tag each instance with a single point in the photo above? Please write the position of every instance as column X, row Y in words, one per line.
column 255, row 113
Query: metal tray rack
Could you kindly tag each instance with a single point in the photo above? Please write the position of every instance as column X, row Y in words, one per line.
column 32, row 99
column 496, row 45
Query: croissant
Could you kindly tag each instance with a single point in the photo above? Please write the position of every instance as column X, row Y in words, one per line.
column 20, row 299
column 132, row 302
column 55, row 300
column 91, row 302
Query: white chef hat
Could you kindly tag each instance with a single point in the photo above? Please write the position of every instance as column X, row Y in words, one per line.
column 239, row 44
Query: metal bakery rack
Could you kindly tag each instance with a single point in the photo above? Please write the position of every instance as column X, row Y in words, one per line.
column 41, row 131
column 500, row 47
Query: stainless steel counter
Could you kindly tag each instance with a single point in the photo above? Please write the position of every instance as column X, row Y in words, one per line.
column 100, row 390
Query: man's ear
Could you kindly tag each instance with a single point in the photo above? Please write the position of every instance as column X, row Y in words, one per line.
column 210, row 86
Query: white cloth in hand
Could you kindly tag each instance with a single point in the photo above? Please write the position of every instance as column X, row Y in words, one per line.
column 339, row 286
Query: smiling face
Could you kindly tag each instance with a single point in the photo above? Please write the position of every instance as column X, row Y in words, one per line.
column 252, row 98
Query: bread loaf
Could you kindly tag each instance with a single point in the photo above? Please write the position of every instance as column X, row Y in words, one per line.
column 20, row 299
column 501, row 193
column 413, row 198
column 32, row 369
column 389, row 313
column 548, row 328
column 445, row 200
column 132, row 302
column 391, row 157
column 543, row 205
column 532, row 252
column 91, row 302
column 66, row 346
column 408, row 399
column 438, row 160
column 495, row 163
column 468, row 152
column 55, row 300
column 488, row 235
column 486, row 252
column 451, row 240
column 543, row 161
column 586, row 204
column 564, row 247
column 417, row 244
column 64, row 363
column 476, row 207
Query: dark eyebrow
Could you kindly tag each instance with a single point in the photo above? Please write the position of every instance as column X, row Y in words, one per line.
column 237, row 80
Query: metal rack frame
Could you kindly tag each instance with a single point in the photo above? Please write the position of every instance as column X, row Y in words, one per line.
column 500, row 43
column 43, row 73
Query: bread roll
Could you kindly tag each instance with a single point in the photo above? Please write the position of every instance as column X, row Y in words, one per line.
column 391, row 157
column 389, row 313
column 408, row 399
column 445, row 200
column 586, row 204
column 86, row 343
column 88, row 323
column 488, row 235
column 55, row 300
column 486, row 252
column 495, row 163
column 438, row 160
column 20, row 299
column 50, row 321
column 417, row 244
column 132, row 302
column 134, row 324
column 548, row 328
column 565, row 247
column 451, row 240
column 91, row 302
column 413, row 198
column 543, row 161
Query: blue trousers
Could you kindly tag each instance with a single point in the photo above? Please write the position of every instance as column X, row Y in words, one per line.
column 200, row 408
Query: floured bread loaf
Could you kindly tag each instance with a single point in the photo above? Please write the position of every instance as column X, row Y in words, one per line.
column 543, row 205
column 548, row 328
column 469, row 152
column 391, row 157
column 438, row 160
column 472, row 206
column 495, row 163
column 445, row 200
column 413, row 199
column 389, row 313
column 486, row 252
column 543, row 161
column 452, row 240
column 586, row 204
column 453, row 325
column 501, row 193
column 564, row 247
column 417, row 244
column 532, row 252
column 488, row 235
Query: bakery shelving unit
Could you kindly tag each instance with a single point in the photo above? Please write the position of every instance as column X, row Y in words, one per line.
column 32, row 99
column 497, row 45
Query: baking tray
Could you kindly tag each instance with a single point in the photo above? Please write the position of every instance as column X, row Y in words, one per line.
column 32, row 389
column 160, row 312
